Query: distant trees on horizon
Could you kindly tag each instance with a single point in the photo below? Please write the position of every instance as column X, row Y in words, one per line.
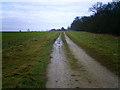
column 106, row 19
column 62, row 29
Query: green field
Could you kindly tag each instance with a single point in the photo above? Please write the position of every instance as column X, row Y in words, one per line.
column 103, row 48
column 25, row 56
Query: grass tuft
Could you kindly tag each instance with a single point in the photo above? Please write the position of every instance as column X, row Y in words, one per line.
column 70, row 57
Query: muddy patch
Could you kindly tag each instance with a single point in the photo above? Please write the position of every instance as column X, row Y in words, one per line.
column 57, row 71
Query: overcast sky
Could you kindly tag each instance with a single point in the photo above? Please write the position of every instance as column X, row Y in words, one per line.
column 43, row 15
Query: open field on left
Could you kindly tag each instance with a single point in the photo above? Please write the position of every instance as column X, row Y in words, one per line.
column 25, row 56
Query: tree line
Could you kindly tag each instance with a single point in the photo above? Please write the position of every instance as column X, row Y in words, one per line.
column 106, row 19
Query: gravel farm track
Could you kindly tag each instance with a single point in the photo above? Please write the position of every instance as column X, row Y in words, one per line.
column 90, row 73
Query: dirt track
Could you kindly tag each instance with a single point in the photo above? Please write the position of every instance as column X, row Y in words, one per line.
column 90, row 73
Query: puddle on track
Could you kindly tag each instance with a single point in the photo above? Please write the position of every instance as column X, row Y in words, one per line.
column 57, row 68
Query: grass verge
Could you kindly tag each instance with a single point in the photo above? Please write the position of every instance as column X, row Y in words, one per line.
column 103, row 48
column 25, row 57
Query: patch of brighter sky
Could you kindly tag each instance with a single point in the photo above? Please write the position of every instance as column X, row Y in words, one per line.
column 43, row 14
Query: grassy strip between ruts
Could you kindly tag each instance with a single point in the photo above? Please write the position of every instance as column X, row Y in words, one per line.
column 71, row 59
column 103, row 48
column 24, row 59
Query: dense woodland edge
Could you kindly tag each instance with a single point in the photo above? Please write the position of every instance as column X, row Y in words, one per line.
column 105, row 19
